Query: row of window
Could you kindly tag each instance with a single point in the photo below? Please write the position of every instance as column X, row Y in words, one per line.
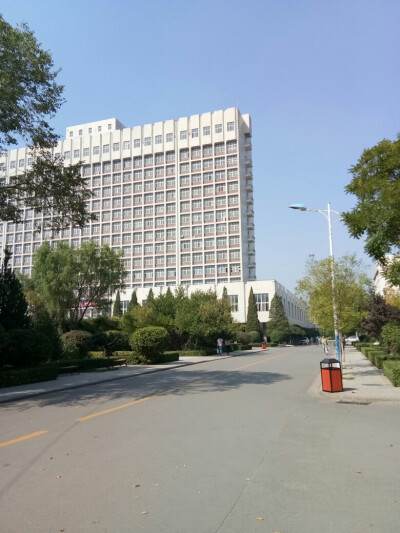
column 169, row 183
column 158, row 158
column 139, row 186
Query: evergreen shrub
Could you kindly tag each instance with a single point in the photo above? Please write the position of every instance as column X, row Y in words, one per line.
column 391, row 369
column 23, row 376
column 150, row 342
column 76, row 344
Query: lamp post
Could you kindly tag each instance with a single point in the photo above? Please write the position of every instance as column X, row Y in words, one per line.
column 327, row 214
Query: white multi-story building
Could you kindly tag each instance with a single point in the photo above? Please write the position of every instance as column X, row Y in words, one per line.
column 176, row 196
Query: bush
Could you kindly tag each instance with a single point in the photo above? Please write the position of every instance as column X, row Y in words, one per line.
column 76, row 344
column 391, row 369
column 150, row 342
column 198, row 353
column 85, row 365
column 245, row 347
column 391, row 338
column 28, row 347
column 277, row 335
column 254, row 336
column 243, row 337
column 11, row 378
column 117, row 340
column 168, row 357
column 101, row 323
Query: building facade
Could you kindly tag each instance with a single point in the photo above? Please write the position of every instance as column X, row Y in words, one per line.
column 176, row 196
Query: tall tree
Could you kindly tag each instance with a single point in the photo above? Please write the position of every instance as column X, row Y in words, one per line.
column 351, row 285
column 150, row 297
column 68, row 281
column 13, row 305
column 252, row 323
column 376, row 185
column 117, row 311
column 277, row 317
column 29, row 96
column 134, row 302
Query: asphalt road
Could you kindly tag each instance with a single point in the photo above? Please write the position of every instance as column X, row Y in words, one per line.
column 230, row 446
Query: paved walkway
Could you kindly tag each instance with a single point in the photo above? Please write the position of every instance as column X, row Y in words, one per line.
column 362, row 382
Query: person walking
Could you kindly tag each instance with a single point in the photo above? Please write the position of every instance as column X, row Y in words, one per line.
column 325, row 345
column 227, row 346
column 220, row 345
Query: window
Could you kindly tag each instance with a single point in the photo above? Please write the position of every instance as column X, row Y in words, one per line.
column 80, row 132
column 109, row 126
column 21, row 162
column 230, row 126
column 169, row 137
column 77, row 153
column 231, row 146
column 67, row 155
column 158, row 139
column 136, row 143
column 234, row 299
column 98, row 128
column 115, row 147
column 232, row 159
column 170, row 157
column 183, row 135
column 96, row 150
column 195, row 132
column 85, row 152
column 147, row 141
column 206, row 130
column 218, row 128
column 106, row 148
column 262, row 301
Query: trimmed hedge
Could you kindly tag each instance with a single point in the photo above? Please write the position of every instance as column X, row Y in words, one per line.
column 85, row 365
column 391, row 369
column 24, row 376
column 168, row 357
column 245, row 347
column 198, row 353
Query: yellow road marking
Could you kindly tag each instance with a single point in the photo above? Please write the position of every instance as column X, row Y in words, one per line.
column 114, row 409
column 19, row 439
column 174, row 389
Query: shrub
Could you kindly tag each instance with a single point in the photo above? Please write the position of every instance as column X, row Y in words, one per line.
column 167, row 357
column 85, row 365
column 117, row 340
column 391, row 369
column 28, row 347
column 381, row 357
column 391, row 338
column 76, row 344
column 11, row 378
column 150, row 342
column 243, row 337
column 254, row 336
column 197, row 353
column 277, row 335
column 245, row 347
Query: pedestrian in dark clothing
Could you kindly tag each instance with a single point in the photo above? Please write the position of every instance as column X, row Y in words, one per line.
column 227, row 345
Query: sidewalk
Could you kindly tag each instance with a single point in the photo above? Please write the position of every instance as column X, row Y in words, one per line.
column 363, row 383
column 74, row 381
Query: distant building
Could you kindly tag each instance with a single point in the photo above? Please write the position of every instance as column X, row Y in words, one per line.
column 380, row 282
column 176, row 196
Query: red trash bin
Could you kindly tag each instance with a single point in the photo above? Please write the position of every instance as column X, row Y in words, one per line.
column 331, row 375
column 263, row 346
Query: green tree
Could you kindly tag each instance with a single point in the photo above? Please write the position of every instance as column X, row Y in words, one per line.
column 379, row 313
column 150, row 342
column 252, row 323
column 29, row 96
column 352, row 286
column 117, row 311
column 202, row 318
column 376, row 185
column 150, row 297
column 133, row 303
column 277, row 317
column 13, row 305
column 68, row 281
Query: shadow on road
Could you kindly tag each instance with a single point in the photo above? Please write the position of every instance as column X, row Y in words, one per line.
column 177, row 382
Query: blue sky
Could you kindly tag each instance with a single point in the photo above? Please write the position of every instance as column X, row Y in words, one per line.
column 320, row 79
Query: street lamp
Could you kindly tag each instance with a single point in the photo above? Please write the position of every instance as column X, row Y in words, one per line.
column 327, row 215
